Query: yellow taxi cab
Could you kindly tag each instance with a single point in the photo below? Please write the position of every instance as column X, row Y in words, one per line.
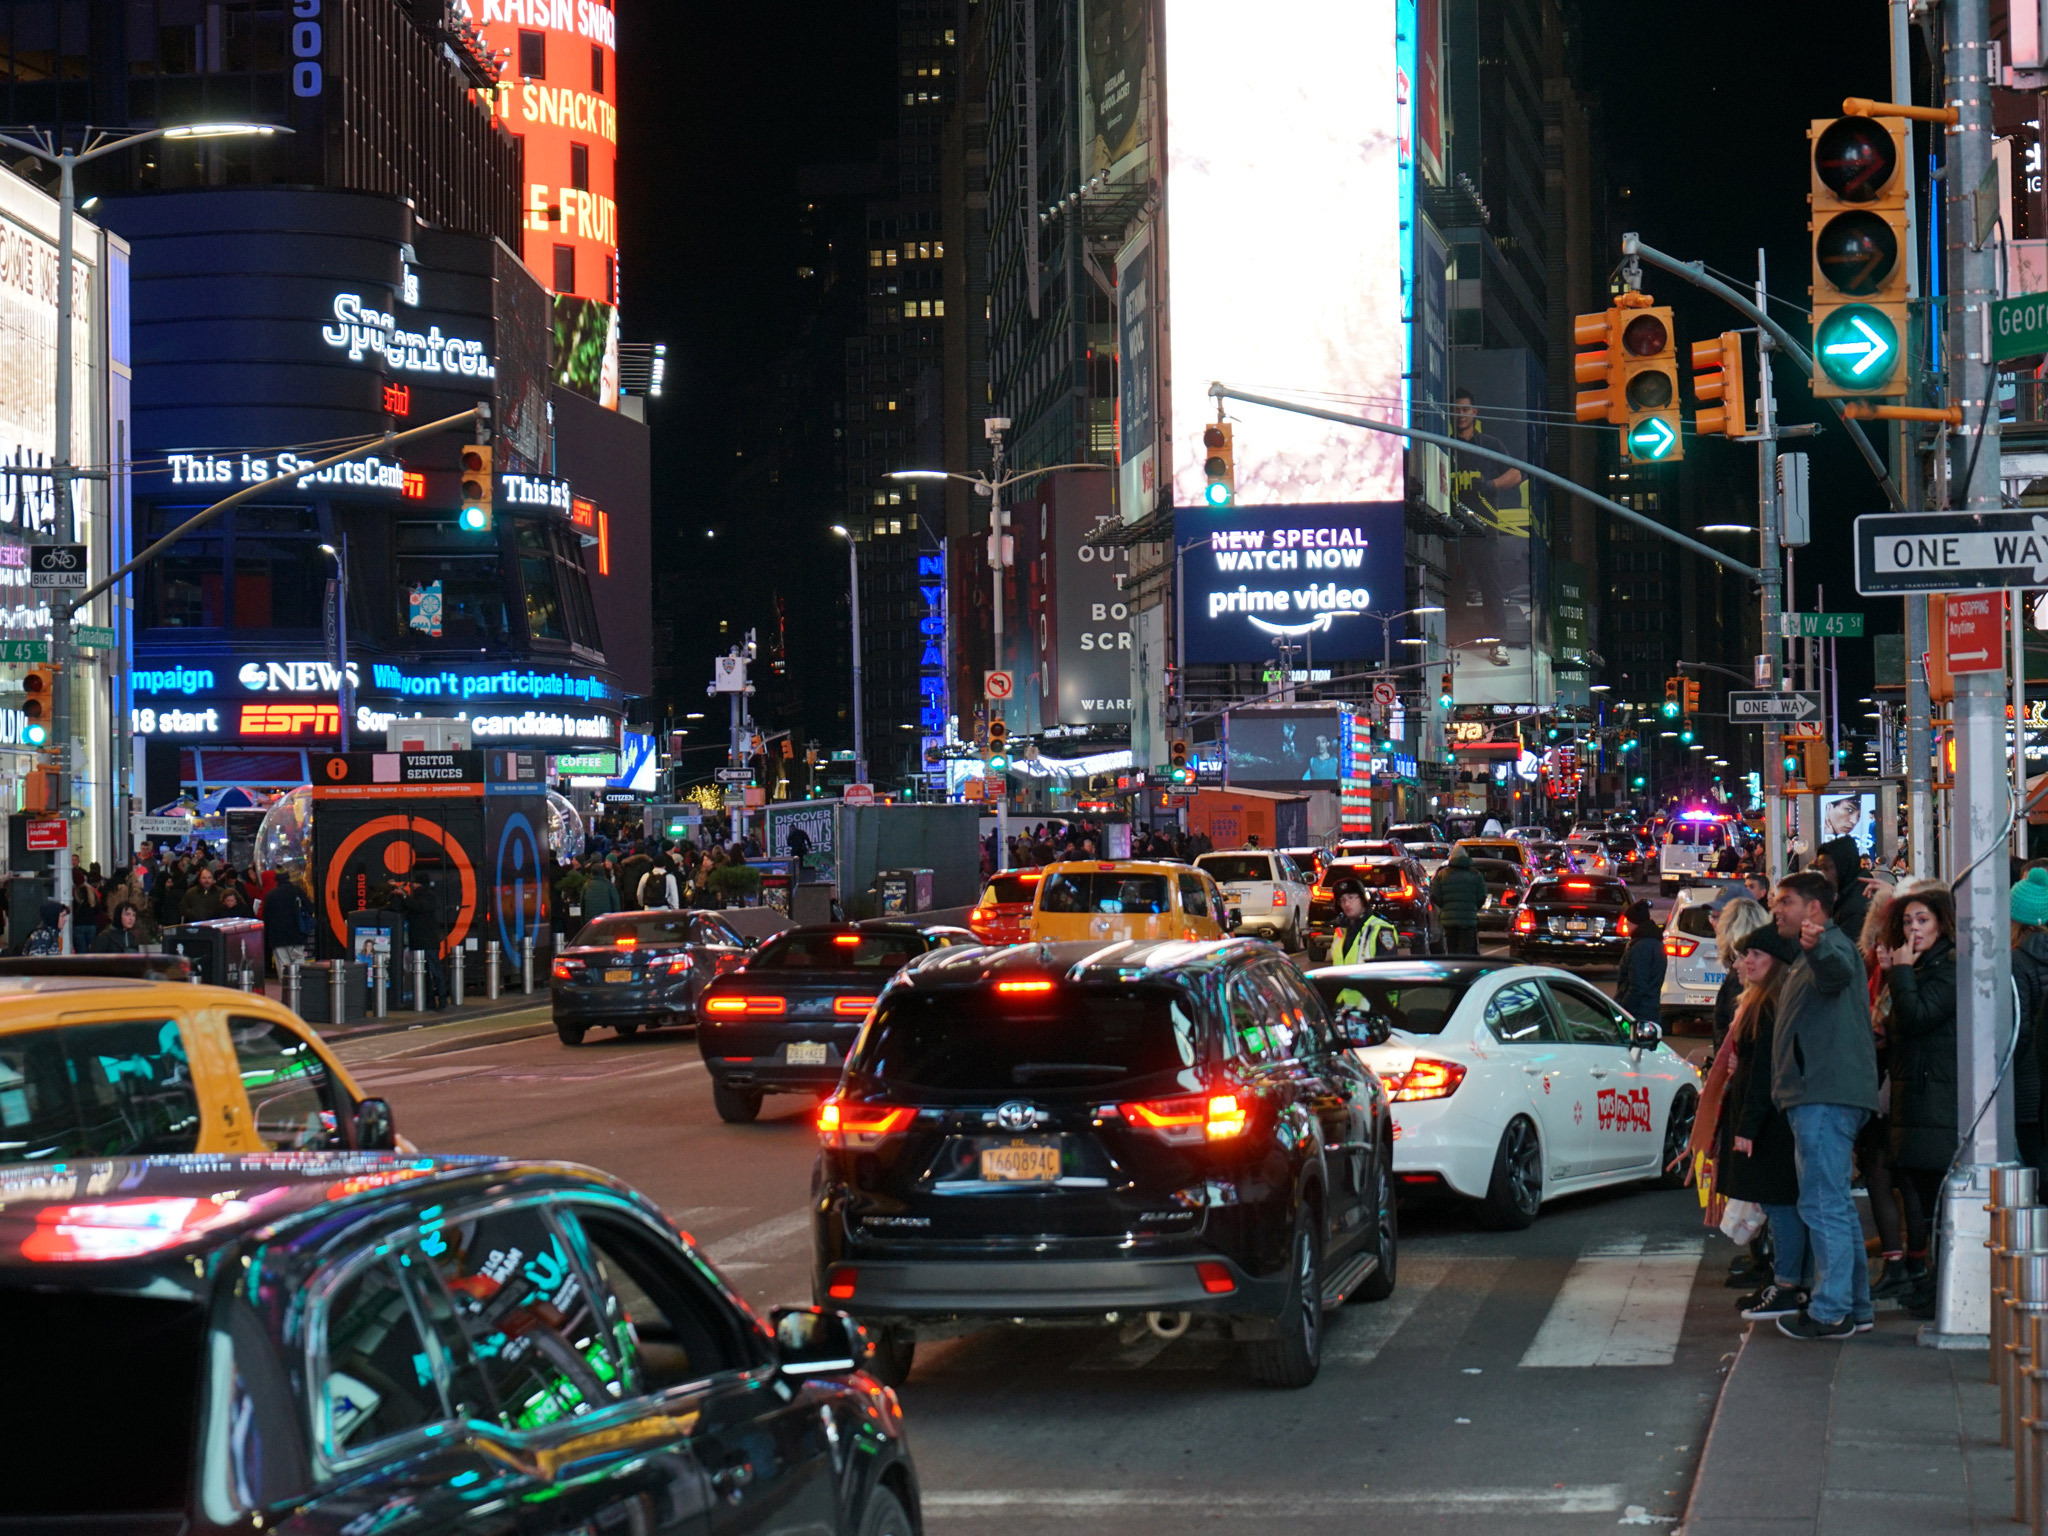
column 1126, row 899
column 94, row 1065
column 1497, row 848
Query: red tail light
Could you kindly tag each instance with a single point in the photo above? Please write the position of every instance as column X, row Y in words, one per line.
column 1427, row 1078
column 625, row 941
column 1279, row 898
column 1023, row 986
column 1215, row 1277
column 846, row 940
column 841, row 1286
column 1189, row 1118
column 860, row 1126
column 1578, row 885
column 752, row 1004
column 1681, row 949
column 561, row 970
column 853, row 1007
column 1525, row 921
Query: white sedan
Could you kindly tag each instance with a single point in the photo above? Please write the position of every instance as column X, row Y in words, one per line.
column 1513, row 1084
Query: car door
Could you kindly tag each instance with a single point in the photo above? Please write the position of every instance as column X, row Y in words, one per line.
column 1522, row 1034
column 1624, row 1133
column 716, row 943
column 1337, row 1088
column 771, row 1451
column 294, row 1100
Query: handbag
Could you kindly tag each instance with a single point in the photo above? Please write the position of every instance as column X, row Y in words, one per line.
column 1742, row 1220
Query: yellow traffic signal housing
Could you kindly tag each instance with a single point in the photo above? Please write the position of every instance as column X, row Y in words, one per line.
column 38, row 708
column 1816, row 767
column 998, row 735
column 1648, row 386
column 477, row 488
column 1857, row 229
column 1674, row 689
column 1600, row 366
column 1692, row 696
column 1219, row 465
column 1717, row 375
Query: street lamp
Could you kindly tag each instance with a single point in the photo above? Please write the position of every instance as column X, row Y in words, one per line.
column 860, row 744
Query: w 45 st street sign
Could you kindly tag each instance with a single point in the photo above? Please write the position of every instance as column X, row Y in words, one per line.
column 1950, row 551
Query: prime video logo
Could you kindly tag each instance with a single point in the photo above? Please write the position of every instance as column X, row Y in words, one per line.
column 185, row 680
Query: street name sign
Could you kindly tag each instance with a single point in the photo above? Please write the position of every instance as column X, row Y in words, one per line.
column 1950, row 552
column 1821, row 626
column 2019, row 327
column 93, row 637
column 1763, row 708
column 32, row 651
column 59, row 565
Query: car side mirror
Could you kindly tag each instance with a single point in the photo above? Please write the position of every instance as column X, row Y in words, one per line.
column 816, row 1341
column 375, row 1130
column 1358, row 1029
column 751, row 942
column 1233, row 917
column 1645, row 1035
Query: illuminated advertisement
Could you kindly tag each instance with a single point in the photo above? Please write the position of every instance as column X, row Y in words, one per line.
column 466, row 682
column 1496, row 572
column 1270, row 748
column 559, row 96
column 1298, row 124
column 1092, row 612
column 1309, row 577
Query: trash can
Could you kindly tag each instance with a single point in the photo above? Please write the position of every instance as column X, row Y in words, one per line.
column 778, row 882
column 219, row 948
column 899, row 891
column 316, row 992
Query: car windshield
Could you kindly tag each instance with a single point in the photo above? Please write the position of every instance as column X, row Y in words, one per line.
column 1013, row 889
column 1418, row 1004
column 1414, row 832
column 636, row 928
column 1374, row 877
column 1579, row 893
column 1106, row 890
column 800, row 951
column 1498, row 871
column 114, row 1089
column 1083, row 1038
column 1227, row 867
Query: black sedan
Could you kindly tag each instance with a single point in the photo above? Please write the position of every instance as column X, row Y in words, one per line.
column 628, row 969
column 1572, row 920
column 785, row 1021
column 1395, row 888
column 330, row 1343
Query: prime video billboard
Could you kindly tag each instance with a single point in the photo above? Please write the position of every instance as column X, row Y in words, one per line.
column 1313, row 577
column 1285, row 130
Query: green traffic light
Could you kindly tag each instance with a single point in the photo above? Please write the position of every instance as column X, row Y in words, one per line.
column 1637, row 782
column 34, row 735
column 1685, row 737
column 475, row 520
column 998, row 763
column 1671, row 709
column 1217, row 494
column 1652, row 438
column 1857, row 346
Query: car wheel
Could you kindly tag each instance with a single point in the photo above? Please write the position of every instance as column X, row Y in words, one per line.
column 1291, row 939
column 1292, row 1357
column 572, row 1034
column 1674, row 1170
column 1379, row 1285
column 885, row 1516
column 1515, row 1192
column 891, row 1352
column 736, row 1106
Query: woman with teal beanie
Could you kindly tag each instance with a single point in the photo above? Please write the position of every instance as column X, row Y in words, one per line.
column 2030, row 981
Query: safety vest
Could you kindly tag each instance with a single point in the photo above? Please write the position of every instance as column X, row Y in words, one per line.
column 1375, row 936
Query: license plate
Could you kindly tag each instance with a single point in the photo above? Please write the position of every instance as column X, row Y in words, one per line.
column 1575, row 925
column 805, row 1053
column 1021, row 1162
column 625, row 975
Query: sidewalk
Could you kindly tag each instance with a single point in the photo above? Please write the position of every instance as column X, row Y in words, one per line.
column 1874, row 1436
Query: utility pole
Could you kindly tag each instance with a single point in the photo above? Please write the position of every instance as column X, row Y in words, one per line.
column 1767, row 671
column 1978, row 806
column 1906, row 469
column 998, row 558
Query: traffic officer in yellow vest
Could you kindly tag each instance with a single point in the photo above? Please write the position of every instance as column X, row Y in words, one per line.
column 1360, row 935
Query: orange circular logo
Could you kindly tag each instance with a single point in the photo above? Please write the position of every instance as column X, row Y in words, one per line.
column 407, row 827
column 337, row 768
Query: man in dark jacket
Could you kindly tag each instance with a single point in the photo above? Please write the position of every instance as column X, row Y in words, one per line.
column 1824, row 1076
column 1641, row 989
column 1459, row 891
column 202, row 902
column 1845, row 867
column 423, row 933
column 284, row 927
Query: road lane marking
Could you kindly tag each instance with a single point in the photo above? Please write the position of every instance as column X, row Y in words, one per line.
column 1622, row 1304
column 1362, row 1330
column 1593, row 1499
column 749, row 1242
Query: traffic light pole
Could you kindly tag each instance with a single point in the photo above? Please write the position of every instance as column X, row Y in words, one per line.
column 1768, row 657
column 1905, row 438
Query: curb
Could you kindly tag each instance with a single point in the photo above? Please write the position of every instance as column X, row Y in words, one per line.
column 403, row 1023
column 1692, row 1494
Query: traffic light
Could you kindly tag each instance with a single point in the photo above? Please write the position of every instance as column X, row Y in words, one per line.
column 1219, row 465
column 1861, row 169
column 1717, row 375
column 476, row 488
column 1636, row 363
column 1685, row 736
column 1674, row 689
column 998, row 747
column 1178, row 770
column 1692, row 695
column 1808, row 760
column 39, row 686
column 1600, row 366
column 1444, row 696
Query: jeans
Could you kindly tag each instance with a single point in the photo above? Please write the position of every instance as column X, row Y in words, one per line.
column 1791, row 1250
column 1461, row 941
column 1824, row 1138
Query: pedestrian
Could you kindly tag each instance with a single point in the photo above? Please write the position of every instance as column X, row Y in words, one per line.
column 2029, row 909
column 1920, row 975
column 48, row 936
column 1459, row 891
column 118, row 937
column 201, row 902
column 658, row 886
column 423, row 933
column 599, row 894
column 284, row 925
column 1640, row 986
column 1842, row 861
column 1758, row 886
column 1824, row 1077
column 1360, row 935
column 1740, row 918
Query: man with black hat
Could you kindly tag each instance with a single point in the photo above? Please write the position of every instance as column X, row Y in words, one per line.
column 1360, row 935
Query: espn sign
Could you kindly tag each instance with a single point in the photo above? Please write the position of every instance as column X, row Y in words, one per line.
column 291, row 720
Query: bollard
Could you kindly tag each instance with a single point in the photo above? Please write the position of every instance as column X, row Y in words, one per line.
column 292, row 985
column 2018, row 1229
column 2028, row 1436
column 380, row 980
column 2028, row 1299
column 491, row 970
column 526, row 964
column 337, row 994
column 2013, row 1185
column 458, row 988
column 248, row 978
column 419, row 980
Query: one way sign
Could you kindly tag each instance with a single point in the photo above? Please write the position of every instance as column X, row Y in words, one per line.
column 1950, row 551
column 1770, row 708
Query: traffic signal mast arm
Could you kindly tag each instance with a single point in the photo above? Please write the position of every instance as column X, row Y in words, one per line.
column 1458, row 445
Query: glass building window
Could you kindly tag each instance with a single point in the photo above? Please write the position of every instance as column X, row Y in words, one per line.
column 464, row 572
column 579, row 167
column 254, row 568
column 533, row 55
column 565, row 269
column 597, row 69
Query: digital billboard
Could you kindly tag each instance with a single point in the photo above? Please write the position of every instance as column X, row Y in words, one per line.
column 1285, row 240
column 1091, row 610
column 559, row 95
column 1275, row 750
column 1252, row 577
column 1497, row 612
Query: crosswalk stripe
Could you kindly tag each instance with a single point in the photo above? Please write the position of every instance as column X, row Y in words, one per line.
column 749, row 1242
column 1364, row 1330
column 1622, row 1304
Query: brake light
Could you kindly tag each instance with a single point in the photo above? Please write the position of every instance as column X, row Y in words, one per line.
column 853, row 1007
column 561, row 970
column 753, row 1004
column 1578, row 885
column 1215, row 1277
column 1525, row 921
column 677, row 963
column 625, row 941
column 1023, row 986
column 841, row 1286
column 860, row 1126
column 1681, row 949
column 1105, row 866
column 1189, row 1118
column 846, row 940
column 1427, row 1078
column 1279, row 898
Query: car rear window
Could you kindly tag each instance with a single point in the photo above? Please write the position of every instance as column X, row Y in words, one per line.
column 664, row 927
column 1013, row 888
column 1227, row 867
column 1696, row 920
column 67, row 1351
column 96, row 1090
column 1079, row 1037
column 1497, row 871
column 837, row 952
column 1108, row 890
column 1601, row 893
column 1420, row 1005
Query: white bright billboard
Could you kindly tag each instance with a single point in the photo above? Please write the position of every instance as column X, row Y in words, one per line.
column 1284, row 147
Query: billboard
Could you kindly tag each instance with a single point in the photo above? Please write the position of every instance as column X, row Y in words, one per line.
column 1252, row 577
column 559, row 95
column 1113, row 80
column 1286, row 749
column 1091, row 616
column 1296, row 123
column 1137, row 377
column 1492, row 620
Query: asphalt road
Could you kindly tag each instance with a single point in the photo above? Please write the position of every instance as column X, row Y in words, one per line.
column 1558, row 1379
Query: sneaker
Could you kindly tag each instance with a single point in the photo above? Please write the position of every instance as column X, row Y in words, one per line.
column 1775, row 1300
column 1807, row 1326
column 1900, row 1277
column 1866, row 1325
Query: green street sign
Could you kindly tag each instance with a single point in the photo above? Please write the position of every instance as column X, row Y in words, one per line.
column 1821, row 626
column 1652, row 438
column 93, row 637
column 2019, row 327
column 1858, row 347
column 24, row 650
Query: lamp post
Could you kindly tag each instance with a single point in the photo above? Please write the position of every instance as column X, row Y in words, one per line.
column 62, row 472
column 860, row 745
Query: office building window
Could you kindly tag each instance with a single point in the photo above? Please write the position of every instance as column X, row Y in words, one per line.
column 565, row 269
column 533, row 55
column 597, row 69
column 579, row 167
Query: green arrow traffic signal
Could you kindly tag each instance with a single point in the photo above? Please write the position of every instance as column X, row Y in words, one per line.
column 1652, row 438
column 1857, row 346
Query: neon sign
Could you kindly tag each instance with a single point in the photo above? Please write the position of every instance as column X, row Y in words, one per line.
column 366, row 474
column 361, row 330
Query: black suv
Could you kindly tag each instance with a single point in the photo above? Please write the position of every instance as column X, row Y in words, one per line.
column 1170, row 1130
column 326, row 1342
column 1395, row 888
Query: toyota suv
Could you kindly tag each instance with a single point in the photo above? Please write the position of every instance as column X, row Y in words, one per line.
column 1087, row 1133
column 1267, row 888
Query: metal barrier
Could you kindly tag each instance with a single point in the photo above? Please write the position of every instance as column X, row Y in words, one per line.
column 2020, row 1401
column 491, row 963
column 419, row 980
column 526, row 964
column 293, row 995
column 2021, row 1263
column 337, row 994
column 380, row 980
column 2013, row 1187
column 458, row 977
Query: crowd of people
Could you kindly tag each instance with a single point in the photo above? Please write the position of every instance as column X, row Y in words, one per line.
column 1082, row 837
